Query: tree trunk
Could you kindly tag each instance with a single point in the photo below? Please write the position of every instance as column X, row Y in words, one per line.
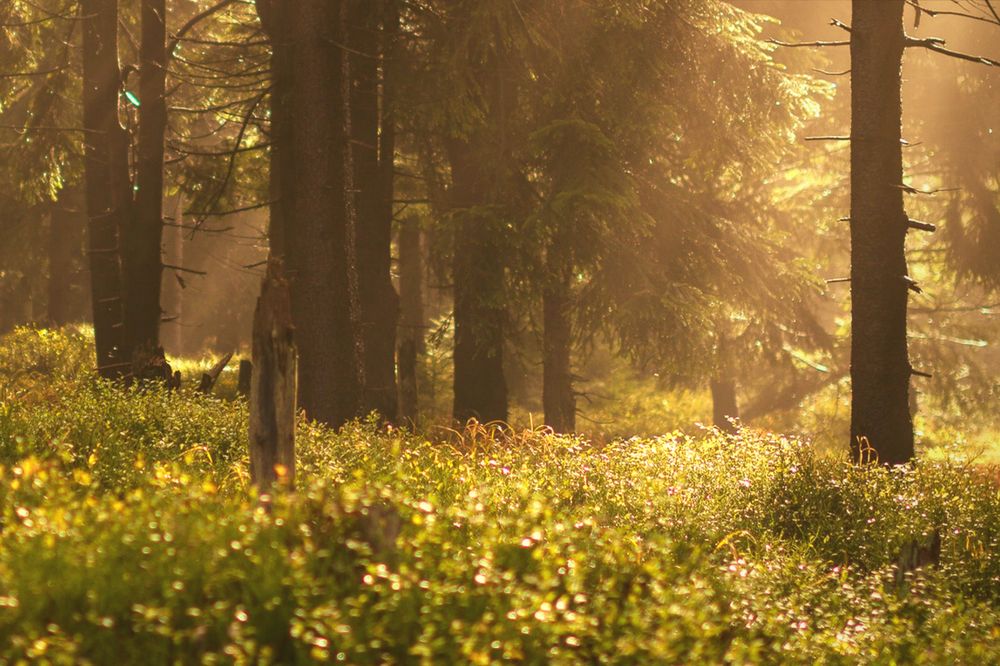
column 245, row 378
column 273, row 385
column 142, row 262
column 725, row 407
column 351, row 360
column 108, row 188
column 480, row 303
column 880, row 368
column 411, row 329
column 372, row 38
column 275, row 24
column 558, row 397
column 312, row 223
column 17, row 308
column 174, row 285
column 66, row 225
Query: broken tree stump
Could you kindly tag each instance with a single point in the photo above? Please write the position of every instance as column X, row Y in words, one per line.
column 917, row 554
column 243, row 383
column 273, row 385
column 148, row 365
column 211, row 376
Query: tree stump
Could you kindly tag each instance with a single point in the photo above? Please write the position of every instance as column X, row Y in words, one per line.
column 273, row 385
column 243, row 383
column 150, row 365
column 210, row 376
column 917, row 554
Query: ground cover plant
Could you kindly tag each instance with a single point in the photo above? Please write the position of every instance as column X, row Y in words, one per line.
column 499, row 331
column 130, row 534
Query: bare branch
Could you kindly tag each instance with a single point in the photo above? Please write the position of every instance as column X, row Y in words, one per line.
column 193, row 21
column 827, row 138
column 935, row 44
column 911, row 284
column 941, row 12
column 909, row 189
column 184, row 270
column 996, row 15
column 801, row 44
column 922, row 226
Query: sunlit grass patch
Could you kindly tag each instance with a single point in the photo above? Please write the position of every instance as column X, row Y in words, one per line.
column 130, row 535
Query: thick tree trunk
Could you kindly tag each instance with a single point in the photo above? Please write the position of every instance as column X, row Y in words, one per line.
column 66, row 225
column 141, row 260
column 273, row 385
column 880, row 368
column 108, row 189
column 275, row 24
column 558, row 397
column 311, row 192
column 479, row 287
column 313, row 223
column 351, row 359
column 372, row 37
column 725, row 407
column 411, row 328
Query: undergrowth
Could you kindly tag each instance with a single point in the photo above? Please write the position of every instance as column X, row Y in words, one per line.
column 130, row 535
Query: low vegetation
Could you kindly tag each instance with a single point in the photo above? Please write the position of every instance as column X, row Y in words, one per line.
column 129, row 534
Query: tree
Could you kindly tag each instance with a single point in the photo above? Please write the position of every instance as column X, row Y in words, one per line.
column 652, row 226
column 478, row 274
column 374, row 28
column 558, row 394
column 411, row 322
column 126, row 219
column 142, row 235
column 314, row 218
column 66, row 227
column 880, row 366
column 108, row 188
column 472, row 74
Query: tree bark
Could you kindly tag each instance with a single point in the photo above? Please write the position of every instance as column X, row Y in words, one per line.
column 66, row 225
column 275, row 24
column 880, row 368
column 373, row 31
column 108, row 187
column 312, row 223
column 351, row 360
column 273, row 385
column 558, row 397
column 173, row 286
column 142, row 261
column 479, row 287
column 411, row 329
column 245, row 377
column 725, row 407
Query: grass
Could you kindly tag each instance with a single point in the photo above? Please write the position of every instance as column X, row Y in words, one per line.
column 130, row 535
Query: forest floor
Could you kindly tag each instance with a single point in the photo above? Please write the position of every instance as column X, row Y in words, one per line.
column 130, row 535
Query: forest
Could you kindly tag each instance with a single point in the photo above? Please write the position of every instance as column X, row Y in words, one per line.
column 499, row 331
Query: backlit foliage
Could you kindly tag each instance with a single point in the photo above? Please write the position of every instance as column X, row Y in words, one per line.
column 130, row 535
